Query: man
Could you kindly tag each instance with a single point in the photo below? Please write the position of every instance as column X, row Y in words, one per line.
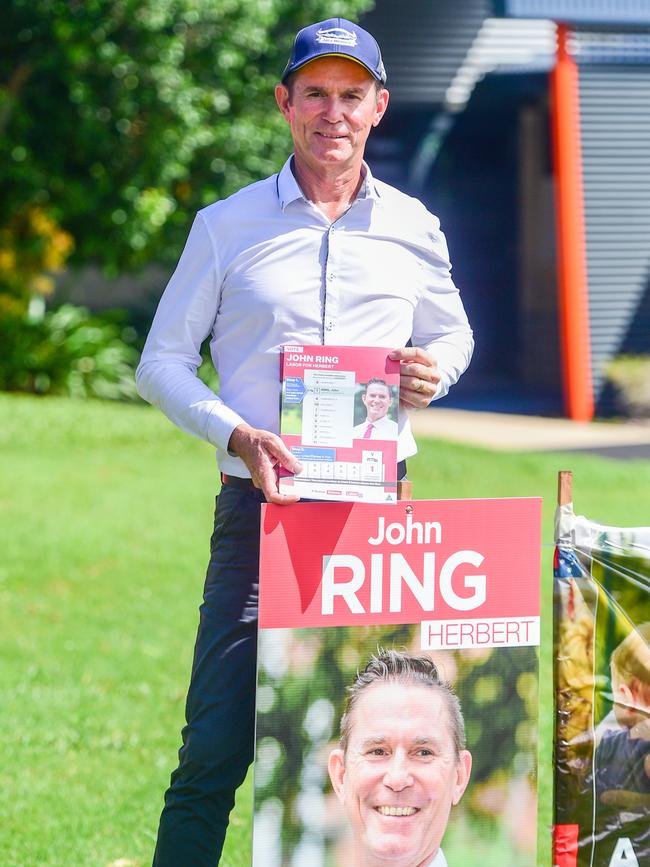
column 377, row 401
column 402, row 762
column 319, row 253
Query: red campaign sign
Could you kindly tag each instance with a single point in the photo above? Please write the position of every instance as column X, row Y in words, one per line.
column 468, row 568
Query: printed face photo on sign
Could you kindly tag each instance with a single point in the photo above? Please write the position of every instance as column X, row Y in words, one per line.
column 392, row 777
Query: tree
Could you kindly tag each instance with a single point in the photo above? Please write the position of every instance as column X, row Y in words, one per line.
column 119, row 118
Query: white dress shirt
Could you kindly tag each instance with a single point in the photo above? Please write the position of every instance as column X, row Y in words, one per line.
column 383, row 428
column 439, row 860
column 266, row 267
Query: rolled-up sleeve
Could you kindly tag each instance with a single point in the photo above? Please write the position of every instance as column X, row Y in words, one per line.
column 167, row 373
column 440, row 322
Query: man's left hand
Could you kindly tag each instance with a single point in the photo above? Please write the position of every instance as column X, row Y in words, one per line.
column 418, row 382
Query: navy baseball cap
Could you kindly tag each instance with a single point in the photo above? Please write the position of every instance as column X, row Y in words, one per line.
column 336, row 37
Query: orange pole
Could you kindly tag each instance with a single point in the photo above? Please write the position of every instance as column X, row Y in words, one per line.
column 575, row 340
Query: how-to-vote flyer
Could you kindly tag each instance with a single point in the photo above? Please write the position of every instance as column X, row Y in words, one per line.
column 338, row 415
column 456, row 581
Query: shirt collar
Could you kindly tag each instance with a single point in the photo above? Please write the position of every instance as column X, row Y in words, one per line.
column 369, row 189
column 289, row 190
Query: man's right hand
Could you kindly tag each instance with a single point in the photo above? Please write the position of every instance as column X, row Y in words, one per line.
column 262, row 451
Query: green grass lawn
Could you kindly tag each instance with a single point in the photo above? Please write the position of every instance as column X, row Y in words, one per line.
column 106, row 512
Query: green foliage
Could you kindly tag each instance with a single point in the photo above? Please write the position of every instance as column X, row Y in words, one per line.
column 32, row 248
column 630, row 377
column 119, row 118
column 499, row 697
column 68, row 351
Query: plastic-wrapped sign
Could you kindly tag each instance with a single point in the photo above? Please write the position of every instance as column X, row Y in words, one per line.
column 602, row 689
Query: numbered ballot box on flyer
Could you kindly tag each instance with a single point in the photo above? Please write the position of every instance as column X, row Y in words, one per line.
column 397, row 692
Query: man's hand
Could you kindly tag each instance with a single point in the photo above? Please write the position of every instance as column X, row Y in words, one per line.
column 262, row 451
column 418, row 382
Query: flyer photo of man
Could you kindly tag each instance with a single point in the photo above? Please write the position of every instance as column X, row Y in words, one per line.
column 401, row 764
column 377, row 399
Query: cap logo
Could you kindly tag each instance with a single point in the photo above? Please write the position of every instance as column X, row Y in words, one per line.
column 337, row 36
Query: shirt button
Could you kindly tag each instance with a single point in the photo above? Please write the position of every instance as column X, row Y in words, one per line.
column 330, row 276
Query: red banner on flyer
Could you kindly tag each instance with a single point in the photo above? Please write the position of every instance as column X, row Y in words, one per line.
column 470, row 566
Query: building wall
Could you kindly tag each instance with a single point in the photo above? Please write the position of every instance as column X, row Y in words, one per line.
column 615, row 121
column 538, row 319
column 423, row 44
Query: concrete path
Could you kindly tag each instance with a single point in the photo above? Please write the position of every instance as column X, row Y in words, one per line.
column 533, row 433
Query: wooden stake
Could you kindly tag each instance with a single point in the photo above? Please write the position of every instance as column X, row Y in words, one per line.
column 405, row 490
column 564, row 487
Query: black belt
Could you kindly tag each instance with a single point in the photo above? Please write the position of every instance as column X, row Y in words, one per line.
column 238, row 482
column 247, row 484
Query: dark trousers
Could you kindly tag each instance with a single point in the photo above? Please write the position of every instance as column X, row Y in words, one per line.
column 220, row 712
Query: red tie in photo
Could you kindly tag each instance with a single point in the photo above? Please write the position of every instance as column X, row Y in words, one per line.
column 368, row 431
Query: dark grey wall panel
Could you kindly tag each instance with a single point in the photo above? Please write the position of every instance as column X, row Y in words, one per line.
column 615, row 120
column 423, row 44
